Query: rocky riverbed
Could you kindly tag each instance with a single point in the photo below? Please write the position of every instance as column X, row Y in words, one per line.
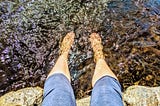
column 32, row 30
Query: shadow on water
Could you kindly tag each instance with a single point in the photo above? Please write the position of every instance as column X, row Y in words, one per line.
column 31, row 32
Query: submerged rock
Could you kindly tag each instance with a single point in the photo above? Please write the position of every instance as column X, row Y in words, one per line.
column 133, row 96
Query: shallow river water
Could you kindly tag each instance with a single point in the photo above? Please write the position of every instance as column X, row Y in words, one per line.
column 32, row 30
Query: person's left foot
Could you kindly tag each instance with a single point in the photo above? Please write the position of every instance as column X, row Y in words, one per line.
column 66, row 43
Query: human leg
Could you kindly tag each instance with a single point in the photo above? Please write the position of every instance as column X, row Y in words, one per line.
column 106, row 88
column 102, row 69
column 57, row 88
column 61, row 65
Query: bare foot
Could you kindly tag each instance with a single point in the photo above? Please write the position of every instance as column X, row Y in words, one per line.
column 61, row 65
column 66, row 43
column 101, row 69
column 97, row 46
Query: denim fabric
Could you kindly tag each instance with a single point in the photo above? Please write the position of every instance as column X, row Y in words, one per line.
column 58, row 92
column 106, row 92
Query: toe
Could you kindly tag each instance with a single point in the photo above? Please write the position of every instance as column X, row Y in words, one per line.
column 71, row 34
column 67, row 42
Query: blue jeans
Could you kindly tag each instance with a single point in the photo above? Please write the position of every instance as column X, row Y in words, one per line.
column 58, row 92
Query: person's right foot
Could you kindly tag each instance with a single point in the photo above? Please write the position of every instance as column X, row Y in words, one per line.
column 97, row 46
column 66, row 43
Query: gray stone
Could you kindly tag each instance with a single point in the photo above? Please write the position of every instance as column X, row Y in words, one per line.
column 25, row 97
column 142, row 96
column 135, row 96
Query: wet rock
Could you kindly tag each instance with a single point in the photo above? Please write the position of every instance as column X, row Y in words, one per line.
column 31, row 96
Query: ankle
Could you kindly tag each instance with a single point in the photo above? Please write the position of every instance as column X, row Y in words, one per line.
column 99, row 56
column 64, row 55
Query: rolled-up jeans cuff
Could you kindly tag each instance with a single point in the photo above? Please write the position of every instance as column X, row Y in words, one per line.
column 106, row 92
column 58, row 91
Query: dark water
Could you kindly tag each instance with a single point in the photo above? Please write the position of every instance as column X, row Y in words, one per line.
column 31, row 32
